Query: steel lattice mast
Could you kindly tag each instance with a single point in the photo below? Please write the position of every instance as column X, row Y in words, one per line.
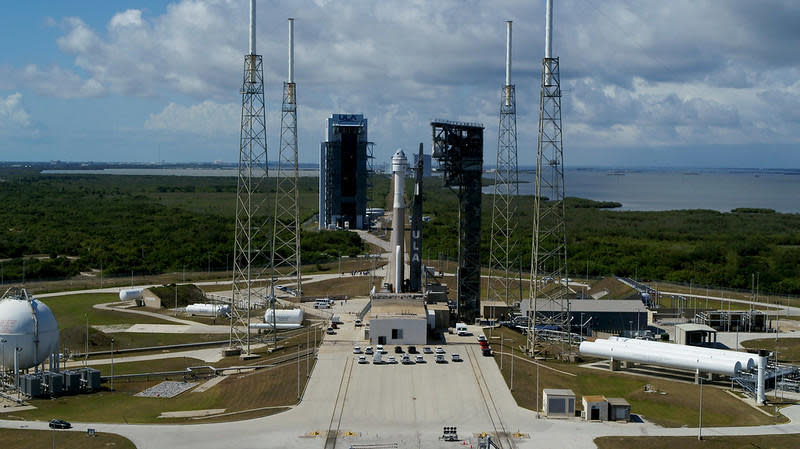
column 549, row 289
column 286, row 230
column 502, row 258
column 251, row 240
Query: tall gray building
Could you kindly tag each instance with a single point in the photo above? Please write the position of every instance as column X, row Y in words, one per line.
column 343, row 173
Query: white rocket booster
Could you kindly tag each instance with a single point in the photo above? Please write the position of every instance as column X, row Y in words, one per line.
column 399, row 163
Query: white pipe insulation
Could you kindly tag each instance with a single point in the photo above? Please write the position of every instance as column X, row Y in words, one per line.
column 619, row 350
column 747, row 360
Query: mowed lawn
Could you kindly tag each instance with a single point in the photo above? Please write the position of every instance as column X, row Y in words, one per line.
column 788, row 348
column 791, row 441
column 673, row 404
column 269, row 387
column 268, row 390
column 72, row 311
column 62, row 439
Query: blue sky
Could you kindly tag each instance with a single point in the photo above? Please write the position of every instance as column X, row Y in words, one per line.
column 679, row 83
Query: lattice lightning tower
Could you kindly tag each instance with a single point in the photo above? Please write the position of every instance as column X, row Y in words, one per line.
column 502, row 245
column 286, row 230
column 549, row 287
column 251, row 241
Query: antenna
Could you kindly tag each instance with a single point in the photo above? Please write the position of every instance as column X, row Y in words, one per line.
column 291, row 50
column 508, row 53
column 252, row 27
column 548, row 30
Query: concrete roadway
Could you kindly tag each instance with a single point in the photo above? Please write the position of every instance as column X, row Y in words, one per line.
column 407, row 405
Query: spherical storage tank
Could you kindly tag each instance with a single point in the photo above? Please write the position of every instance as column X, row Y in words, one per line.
column 22, row 320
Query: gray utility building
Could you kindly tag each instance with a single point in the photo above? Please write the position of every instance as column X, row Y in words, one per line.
column 558, row 403
column 343, row 173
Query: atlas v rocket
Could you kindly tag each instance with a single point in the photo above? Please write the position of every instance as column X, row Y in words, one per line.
column 399, row 163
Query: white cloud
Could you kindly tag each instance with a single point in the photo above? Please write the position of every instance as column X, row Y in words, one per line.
column 635, row 74
column 206, row 118
column 14, row 119
column 131, row 17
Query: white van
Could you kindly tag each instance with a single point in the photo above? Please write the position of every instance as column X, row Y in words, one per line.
column 461, row 329
column 324, row 303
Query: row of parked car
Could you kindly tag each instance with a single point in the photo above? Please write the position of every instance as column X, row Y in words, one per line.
column 406, row 358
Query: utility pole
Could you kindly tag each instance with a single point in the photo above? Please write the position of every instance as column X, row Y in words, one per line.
column 298, row 372
column 511, row 387
column 700, row 426
column 112, row 364
column 3, row 342
column 307, row 347
column 86, row 355
column 537, row 389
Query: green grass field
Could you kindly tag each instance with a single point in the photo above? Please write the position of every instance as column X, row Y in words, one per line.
column 677, row 407
column 269, row 387
column 63, row 439
column 788, row 348
column 71, row 312
column 790, row 441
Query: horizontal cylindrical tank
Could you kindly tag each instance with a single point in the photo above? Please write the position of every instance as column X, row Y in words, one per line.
column 21, row 321
column 279, row 326
column 208, row 309
column 284, row 316
column 747, row 360
column 130, row 294
column 624, row 351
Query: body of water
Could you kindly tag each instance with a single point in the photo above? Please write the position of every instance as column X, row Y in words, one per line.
column 643, row 189
column 651, row 190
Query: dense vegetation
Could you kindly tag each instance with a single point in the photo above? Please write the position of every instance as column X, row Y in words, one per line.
column 153, row 224
column 65, row 224
column 703, row 246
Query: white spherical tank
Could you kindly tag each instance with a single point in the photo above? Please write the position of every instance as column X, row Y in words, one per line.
column 21, row 321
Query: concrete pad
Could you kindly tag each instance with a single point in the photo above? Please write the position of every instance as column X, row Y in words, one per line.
column 19, row 408
column 192, row 413
column 177, row 329
column 205, row 386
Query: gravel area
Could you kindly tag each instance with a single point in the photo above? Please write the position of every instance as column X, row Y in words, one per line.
column 166, row 389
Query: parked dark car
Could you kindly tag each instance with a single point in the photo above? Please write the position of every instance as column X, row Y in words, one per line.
column 59, row 424
column 398, row 349
column 412, row 350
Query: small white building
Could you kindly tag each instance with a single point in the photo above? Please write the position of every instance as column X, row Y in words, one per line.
column 398, row 319
column 558, row 403
column 595, row 408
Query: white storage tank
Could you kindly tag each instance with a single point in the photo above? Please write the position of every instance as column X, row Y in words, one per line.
column 284, row 319
column 208, row 309
column 130, row 294
column 22, row 320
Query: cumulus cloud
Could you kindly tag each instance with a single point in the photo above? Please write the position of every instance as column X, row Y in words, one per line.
column 678, row 72
column 207, row 118
column 14, row 119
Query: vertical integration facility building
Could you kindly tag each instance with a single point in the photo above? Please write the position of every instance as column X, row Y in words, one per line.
column 343, row 173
